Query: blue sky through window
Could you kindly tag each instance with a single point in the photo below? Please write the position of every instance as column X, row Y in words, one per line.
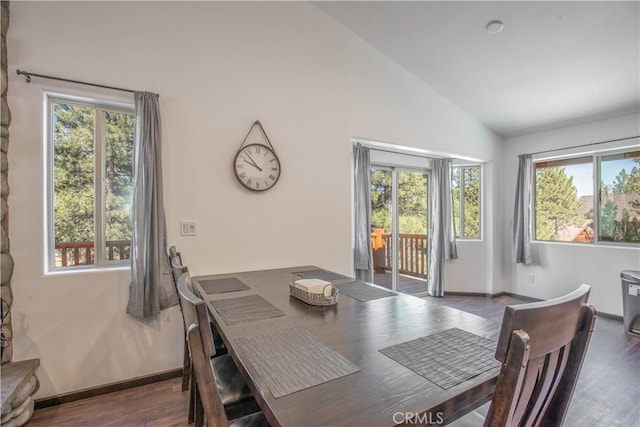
column 583, row 174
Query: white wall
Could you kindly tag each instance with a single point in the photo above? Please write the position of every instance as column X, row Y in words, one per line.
column 561, row 267
column 217, row 67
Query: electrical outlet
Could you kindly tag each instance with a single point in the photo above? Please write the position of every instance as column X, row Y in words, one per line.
column 531, row 278
column 188, row 228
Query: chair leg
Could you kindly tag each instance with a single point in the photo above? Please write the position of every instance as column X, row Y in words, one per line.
column 192, row 401
column 199, row 410
column 186, row 367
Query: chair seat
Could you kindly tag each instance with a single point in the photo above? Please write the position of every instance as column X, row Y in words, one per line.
column 231, row 385
column 257, row 419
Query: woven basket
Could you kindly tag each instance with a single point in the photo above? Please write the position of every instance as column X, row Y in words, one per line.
column 313, row 299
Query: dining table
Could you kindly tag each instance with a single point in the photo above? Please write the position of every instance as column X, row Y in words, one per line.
column 373, row 358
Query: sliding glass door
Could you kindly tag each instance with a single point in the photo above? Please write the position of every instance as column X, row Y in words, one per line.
column 399, row 228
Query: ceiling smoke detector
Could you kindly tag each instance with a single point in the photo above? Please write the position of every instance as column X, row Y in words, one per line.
column 494, row 27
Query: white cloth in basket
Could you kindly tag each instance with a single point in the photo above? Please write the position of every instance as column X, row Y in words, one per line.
column 314, row 286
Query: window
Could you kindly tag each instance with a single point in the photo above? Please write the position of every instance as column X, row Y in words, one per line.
column 399, row 211
column 90, row 183
column 619, row 204
column 567, row 210
column 465, row 186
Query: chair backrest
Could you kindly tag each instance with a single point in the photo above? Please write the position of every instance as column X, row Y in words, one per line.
column 205, row 379
column 175, row 262
column 541, row 346
column 194, row 310
column 174, row 256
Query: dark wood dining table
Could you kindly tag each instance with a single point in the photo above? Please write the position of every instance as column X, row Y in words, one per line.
column 378, row 391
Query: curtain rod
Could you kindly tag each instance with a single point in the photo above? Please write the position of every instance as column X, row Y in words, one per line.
column 584, row 145
column 28, row 75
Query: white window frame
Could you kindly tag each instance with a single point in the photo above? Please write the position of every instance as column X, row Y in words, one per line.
column 595, row 155
column 101, row 105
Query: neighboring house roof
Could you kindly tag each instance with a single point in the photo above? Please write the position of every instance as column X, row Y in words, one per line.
column 621, row 200
column 572, row 233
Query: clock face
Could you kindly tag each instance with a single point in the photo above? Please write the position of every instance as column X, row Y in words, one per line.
column 257, row 167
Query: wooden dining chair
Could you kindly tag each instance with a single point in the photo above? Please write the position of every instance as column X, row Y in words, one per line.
column 541, row 346
column 175, row 262
column 208, row 388
column 232, row 389
column 177, row 270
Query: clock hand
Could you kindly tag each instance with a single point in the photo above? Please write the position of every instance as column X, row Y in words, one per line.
column 252, row 163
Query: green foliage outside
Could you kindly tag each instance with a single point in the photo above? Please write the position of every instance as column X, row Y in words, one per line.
column 608, row 219
column 381, row 199
column 467, row 178
column 558, row 207
column 120, row 130
column 627, row 227
column 74, row 169
column 412, row 201
column 557, row 203
column 628, row 182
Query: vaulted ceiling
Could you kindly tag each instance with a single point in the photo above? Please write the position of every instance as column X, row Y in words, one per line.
column 553, row 64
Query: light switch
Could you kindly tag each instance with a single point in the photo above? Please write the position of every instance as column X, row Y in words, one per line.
column 188, row 228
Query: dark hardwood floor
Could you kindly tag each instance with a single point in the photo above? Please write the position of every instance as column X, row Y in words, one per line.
column 607, row 394
column 160, row 404
column 406, row 284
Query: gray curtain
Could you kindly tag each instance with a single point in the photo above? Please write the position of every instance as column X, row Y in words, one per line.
column 442, row 235
column 151, row 289
column 522, row 212
column 362, row 257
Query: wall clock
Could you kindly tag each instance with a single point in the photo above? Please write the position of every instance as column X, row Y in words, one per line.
column 256, row 165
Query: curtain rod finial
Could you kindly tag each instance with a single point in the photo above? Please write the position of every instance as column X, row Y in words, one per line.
column 27, row 77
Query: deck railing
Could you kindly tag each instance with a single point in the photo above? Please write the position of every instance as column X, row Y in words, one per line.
column 412, row 254
column 81, row 253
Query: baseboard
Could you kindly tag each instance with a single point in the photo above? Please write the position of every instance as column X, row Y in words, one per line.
column 522, row 297
column 107, row 388
column 609, row 316
column 471, row 294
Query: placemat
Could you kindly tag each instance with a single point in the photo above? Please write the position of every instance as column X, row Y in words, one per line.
column 245, row 309
column 363, row 292
column 291, row 360
column 321, row 274
column 219, row 286
column 446, row 358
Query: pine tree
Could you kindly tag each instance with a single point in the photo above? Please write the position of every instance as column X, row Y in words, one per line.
column 629, row 183
column 557, row 203
column 73, row 173
column 412, row 201
column 74, row 169
column 469, row 178
column 381, row 199
column 608, row 219
column 472, row 202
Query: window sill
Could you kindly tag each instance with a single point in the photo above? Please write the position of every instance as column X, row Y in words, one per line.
column 458, row 239
column 88, row 270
